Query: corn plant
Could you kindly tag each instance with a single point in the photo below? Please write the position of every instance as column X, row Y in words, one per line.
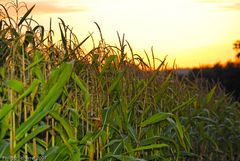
column 59, row 102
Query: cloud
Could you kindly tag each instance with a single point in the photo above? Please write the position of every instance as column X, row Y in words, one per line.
column 224, row 5
column 218, row 1
column 210, row 1
column 234, row 6
column 55, row 6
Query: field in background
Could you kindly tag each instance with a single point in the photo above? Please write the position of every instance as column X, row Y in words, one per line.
column 58, row 102
column 227, row 76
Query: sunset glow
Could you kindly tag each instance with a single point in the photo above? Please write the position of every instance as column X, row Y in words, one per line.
column 194, row 32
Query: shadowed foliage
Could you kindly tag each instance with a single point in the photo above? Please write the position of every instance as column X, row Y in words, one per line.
column 227, row 76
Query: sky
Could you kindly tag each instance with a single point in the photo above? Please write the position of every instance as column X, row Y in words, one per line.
column 192, row 32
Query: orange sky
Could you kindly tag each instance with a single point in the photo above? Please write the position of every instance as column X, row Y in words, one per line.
column 194, row 32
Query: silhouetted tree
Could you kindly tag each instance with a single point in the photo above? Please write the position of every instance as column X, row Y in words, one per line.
column 238, row 55
column 237, row 48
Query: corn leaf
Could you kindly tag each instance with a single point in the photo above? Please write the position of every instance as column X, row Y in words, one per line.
column 210, row 94
column 47, row 103
column 30, row 136
column 64, row 123
column 6, row 108
column 155, row 119
column 4, row 125
column 116, row 81
column 152, row 146
column 25, row 15
column 27, row 125
column 15, row 85
column 33, row 86
column 84, row 89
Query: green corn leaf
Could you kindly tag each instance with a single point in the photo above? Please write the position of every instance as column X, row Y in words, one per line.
column 3, row 72
column 180, row 132
column 179, row 127
column 75, row 116
column 155, row 118
column 73, row 150
column 4, row 125
column 62, row 74
column 51, row 152
column 90, row 150
column 64, row 123
column 127, row 158
column 57, row 153
column 110, row 59
column 105, row 117
column 153, row 146
column 120, row 157
column 33, row 86
column 132, row 133
column 118, row 148
column 210, row 94
column 116, row 81
column 205, row 119
column 150, row 140
column 189, row 155
column 15, row 85
column 146, row 85
column 40, row 150
column 112, row 142
column 210, row 139
column 154, row 139
column 34, row 63
column 37, row 59
column 129, row 148
column 27, row 125
column 6, row 108
column 184, row 104
column 47, row 103
column 42, row 143
column 163, row 87
column 54, row 77
column 36, row 131
column 4, row 148
column 37, row 71
column 84, row 89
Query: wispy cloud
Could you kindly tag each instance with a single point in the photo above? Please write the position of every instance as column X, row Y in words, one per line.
column 224, row 5
column 53, row 6
column 234, row 6
column 56, row 8
column 211, row 1
column 218, row 1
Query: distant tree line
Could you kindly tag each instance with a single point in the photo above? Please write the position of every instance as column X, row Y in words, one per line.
column 228, row 76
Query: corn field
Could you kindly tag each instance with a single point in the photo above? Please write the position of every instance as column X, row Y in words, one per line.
column 59, row 102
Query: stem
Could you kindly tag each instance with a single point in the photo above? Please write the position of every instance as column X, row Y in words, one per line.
column 35, row 154
column 53, row 133
column 76, row 108
column 47, row 134
column 11, row 135
column 25, row 100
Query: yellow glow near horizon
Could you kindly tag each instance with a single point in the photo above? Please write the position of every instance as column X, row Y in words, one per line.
column 194, row 32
